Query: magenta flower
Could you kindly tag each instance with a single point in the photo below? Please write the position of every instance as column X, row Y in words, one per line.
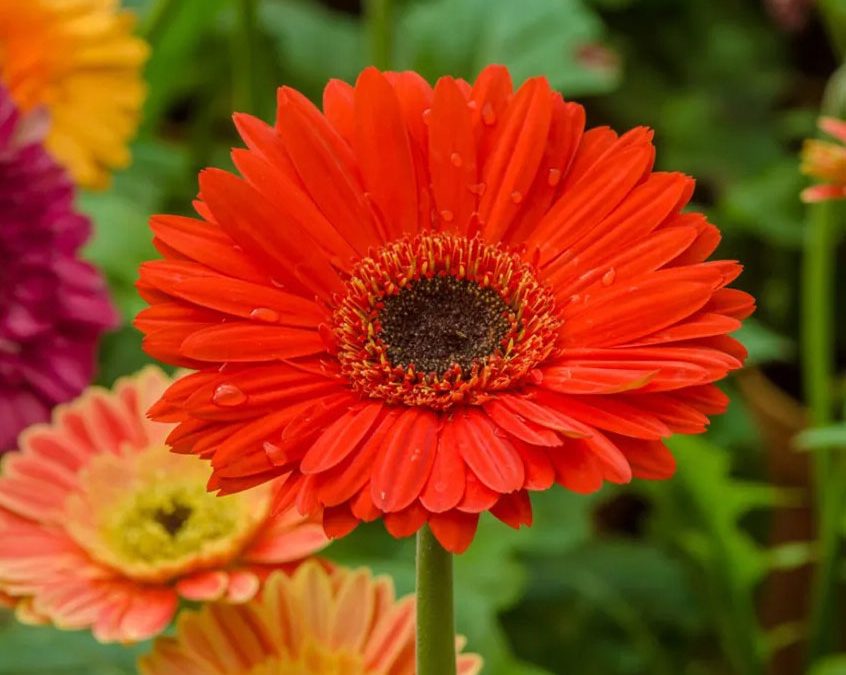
column 53, row 306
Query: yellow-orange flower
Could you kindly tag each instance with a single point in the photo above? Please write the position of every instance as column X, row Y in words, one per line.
column 79, row 59
column 826, row 161
column 315, row 622
column 102, row 527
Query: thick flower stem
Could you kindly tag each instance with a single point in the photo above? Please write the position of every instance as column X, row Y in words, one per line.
column 818, row 370
column 380, row 26
column 435, row 622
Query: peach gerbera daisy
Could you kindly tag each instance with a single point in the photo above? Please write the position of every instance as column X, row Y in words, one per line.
column 314, row 622
column 102, row 527
column 79, row 59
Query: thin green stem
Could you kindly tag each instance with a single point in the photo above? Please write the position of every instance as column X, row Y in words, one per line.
column 818, row 294
column 435, row 621
column 380, row 24
column 818, row 371
column 244, row 57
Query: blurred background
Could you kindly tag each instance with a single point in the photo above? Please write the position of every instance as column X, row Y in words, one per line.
column 707, row 574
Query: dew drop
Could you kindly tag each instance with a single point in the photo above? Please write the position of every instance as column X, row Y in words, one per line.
column 455, row 158
column 228, row 396
column 472, row 105
column 575, row 298
column 477, row 188
column 516, row 197
column 265, row 314
column 427, row 116
column 488, row 114
column 274, row 452
column 554, row 177
column 609, row 276
column 447, row 215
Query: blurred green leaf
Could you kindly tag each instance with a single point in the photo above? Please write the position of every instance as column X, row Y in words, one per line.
column 764, row 344
column 701, row 511
column 822, row 437
column 314, row 43
column 556, row 38
column 39, row 650
column 835, row 665
column 177, row 61
column 122, row 238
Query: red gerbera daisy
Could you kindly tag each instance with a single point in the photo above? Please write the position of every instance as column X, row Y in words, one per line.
column 422, row 304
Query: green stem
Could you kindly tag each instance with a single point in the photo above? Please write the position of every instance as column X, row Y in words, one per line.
column 435, row 622
column 818, row 294
column 818, row 371
column 244, row 61
column 380, row 22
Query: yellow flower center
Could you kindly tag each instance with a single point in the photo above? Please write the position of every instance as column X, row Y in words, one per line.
column 148, row 515
column 170, row 521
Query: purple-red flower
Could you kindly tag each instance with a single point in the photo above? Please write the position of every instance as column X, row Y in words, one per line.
column 53, row 306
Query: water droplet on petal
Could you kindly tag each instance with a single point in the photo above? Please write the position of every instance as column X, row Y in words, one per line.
column 447, row 215
column 228, row 396
column 477, row 188
column 516, row 197
column 265, row 314
column 608, row 277
column 472, row 105
column 455, row 158
column 488, row 114
column 575, row 298
column 427, row 116
column 554, row 177
column 274, row 452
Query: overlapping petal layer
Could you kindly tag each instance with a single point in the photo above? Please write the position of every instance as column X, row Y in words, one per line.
column 343, row 622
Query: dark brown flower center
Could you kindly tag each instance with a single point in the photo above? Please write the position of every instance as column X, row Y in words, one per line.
column 441, row 320
column 436, row 323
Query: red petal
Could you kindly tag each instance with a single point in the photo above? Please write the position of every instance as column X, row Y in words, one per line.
column 454, row 530
column 452, row 157
column 384, row 154
column 241, row 341
column 514, row 509
column 406, row 461
column 493, row 459
column 340, row 438
column 445, row 486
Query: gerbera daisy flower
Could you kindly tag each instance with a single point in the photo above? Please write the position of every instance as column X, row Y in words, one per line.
column 79, row 60
column 422, row 304
column 343, row 622
column 826, row 161
column 102, row 527
column 53, row 306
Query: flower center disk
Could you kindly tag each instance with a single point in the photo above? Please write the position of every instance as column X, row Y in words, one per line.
column 436, row 323
column 439, row 320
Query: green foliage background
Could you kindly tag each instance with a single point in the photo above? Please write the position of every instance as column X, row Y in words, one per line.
column 658, row 579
